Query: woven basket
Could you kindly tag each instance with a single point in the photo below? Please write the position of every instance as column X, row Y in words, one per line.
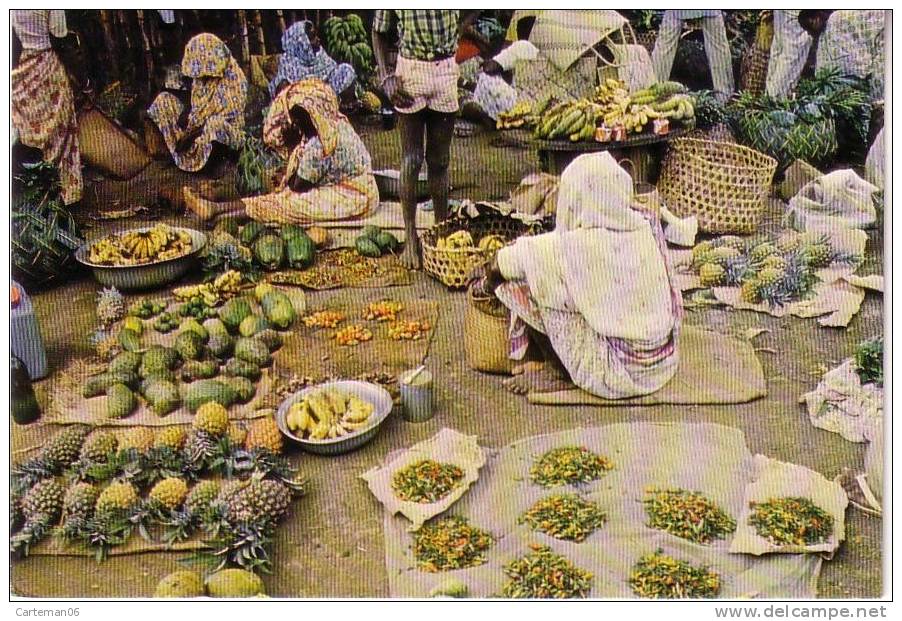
column 647, row 39
column 104, row 145
column 753, row 70
column 454, row 267
column 813, row 142
column 723, row 185
column 486, row 339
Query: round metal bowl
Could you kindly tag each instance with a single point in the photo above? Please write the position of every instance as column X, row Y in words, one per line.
column 377, row 395
column 148, row 275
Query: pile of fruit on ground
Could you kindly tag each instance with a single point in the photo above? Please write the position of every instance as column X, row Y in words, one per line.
column 377, row 313
column 216, row 482
column 344, row 267
column 775, row 272
column 215, row 354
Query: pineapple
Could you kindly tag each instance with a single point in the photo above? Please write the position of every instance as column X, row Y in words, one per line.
column 170, row 437
column 260, row 500
column 169, row 493
column 110, row 306
column 237, row 434
column 762, row 251
column 700, row 253
column 139, row 438
column 63, row 449
column 264, row 433
column 212, row 418
column 79, row 501
column 99, row 446
column 201, row 497
column 774, row 261
column 721, row 255
column 748, row 292
column 43, row 502
column 789, row 242
column 732, row 241
column 818, row 255
column 115, row 498
column 231, row 489
column 711, row 274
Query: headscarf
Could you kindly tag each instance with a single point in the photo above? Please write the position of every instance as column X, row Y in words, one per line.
column 602, row 260
column 299, row 60
column 319, row 101
column 206, row 56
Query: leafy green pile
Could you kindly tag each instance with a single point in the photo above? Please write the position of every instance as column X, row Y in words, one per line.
column 791, row 521
column 869, row 361
column 568, row 465
column 450, row 543
column 542, row 574
column 658, row 576
column 255, row 163
column 564, row 516
column 426, row 481
column 689, row 515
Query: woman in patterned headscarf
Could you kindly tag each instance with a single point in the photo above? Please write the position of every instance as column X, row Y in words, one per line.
column 304, row 57
column 328, row 175
column 216, row 110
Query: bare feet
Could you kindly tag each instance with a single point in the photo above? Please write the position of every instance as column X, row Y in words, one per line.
column 201, row 207
column 544, row 380
column 527, row 367
column 411, row 257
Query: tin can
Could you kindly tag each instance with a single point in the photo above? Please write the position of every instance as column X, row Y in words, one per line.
column 603, row 133
column 619, row 133
column 416, row 395
column 661, row 127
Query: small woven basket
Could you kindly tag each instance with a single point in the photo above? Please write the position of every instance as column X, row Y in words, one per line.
column 454, row 267
column 486, row 340
column 753, row 70
column 723, row 185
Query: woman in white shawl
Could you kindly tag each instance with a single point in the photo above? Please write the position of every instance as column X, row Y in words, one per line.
column 594, row 296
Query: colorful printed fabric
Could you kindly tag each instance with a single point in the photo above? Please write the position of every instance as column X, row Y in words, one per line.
column 853, row 42
column 43, row 113
column 218, row 98
column 33, row 27
column 335, row 160
column 424, row 34
column 299, row 61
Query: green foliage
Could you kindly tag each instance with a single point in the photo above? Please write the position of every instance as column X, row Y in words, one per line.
column 869, row 361
column 255, row 162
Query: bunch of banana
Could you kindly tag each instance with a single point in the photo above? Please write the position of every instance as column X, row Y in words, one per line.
column 137, row 247
column 611, row 91
column 659, row 91
column 519, row 115
column 105, row 252
column 574, row 120
column 346, row 41
column 678, row 107
column 226, row 285
column 328, row 414
column 634, row 119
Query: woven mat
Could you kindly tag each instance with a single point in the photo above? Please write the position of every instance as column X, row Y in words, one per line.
column 714, row 369
column 136, row 544
column 331, row 271
column 312, row 351
column 713, row 459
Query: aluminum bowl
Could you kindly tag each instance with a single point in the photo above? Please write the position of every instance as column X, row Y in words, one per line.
column 372, row 393
column 389, row 183
column 148, row 275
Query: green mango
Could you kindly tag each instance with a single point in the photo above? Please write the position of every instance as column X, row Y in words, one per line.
column 250, row 232
column 300, row 251
column 191, row 324
column 253, row 350
column 162, row 396
column 203, row 391
column 370, row 231
column 252, row 324
column 241, row 368
column 278, row 309
column 121, row 401
column 366, row 247
column 269, row 251
column 233, row 312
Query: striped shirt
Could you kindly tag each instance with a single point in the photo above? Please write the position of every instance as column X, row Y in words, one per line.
column 34, row 27
column 424, row 34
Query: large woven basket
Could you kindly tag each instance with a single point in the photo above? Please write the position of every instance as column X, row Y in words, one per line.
column 106, row 146
column 753, row 70
column 486, row 340
column 454, row 266
column 723, row 185
column 814, row 142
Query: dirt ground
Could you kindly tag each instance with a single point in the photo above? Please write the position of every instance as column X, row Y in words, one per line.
column 333, row 546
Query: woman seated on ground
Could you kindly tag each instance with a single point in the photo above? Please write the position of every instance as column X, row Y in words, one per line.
column 304, row 57
column 329, row 173
column 209, row 130
column 593, row 302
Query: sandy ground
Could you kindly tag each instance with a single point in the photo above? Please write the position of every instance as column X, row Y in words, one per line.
column 333, row 546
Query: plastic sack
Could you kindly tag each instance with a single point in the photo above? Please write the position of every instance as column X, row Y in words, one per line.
column 840, row 199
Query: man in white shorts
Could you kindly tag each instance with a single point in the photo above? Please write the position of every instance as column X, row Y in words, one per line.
column 423, row 89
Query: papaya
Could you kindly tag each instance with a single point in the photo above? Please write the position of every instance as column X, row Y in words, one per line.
column 250, row 231
column 370, row 231
column 220, row 345
column 205, row 391
column 162, row 396
column 233, row 312
column 269, row 251
column 272, row 338
column 129, row 340
column 278, row 309
column 387, row 242
column 366, row 247
column 241, row 368
column 252, row 350
column 252, row 324
column 100, row 384
column 121, row 401
column 191, row 324
column 290, row 231
column 125, row 361
column 243, row 387
column 300, row 251
column 189, row 346
column 195, row 369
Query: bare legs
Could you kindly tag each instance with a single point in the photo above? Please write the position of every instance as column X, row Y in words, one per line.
column 426, row 133
column 209, row 211
column 544, row 372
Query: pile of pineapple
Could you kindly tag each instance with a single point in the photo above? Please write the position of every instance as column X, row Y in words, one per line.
column 94, row 488
column 773, row 272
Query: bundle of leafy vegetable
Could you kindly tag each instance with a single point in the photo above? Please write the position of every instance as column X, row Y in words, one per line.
column 869, row 361
column 255, row 162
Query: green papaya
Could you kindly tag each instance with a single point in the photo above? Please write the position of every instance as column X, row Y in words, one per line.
column 191, row 324
column 203, row 391
column 278, row 309
column 214, row 326
column 221, row 345
column 158, row 359
column 125, row 361
column 250, row 232
column 370, row 231
column 233, row 312
column 162, row 396
column 241, row 368
column 300, row 251
column 366, row 247
column 189, row 346
column 253, row 350
column 195, row 369
column 387, row 242
column 269, row 251
column 99, row 384
column 272, row 338
column 243, row 387
column 252, row 324
column 290, row 231
column 121, row 401
column 228, row 225
column 130, row 340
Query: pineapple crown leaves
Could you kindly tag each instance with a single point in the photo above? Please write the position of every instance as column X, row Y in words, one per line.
column 245, row 545
column 32, row 532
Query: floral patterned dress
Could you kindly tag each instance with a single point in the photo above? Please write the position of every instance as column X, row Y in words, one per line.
column 218, row 98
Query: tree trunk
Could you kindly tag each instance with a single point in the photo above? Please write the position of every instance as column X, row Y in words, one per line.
column 148, row 54
column 242, row 35
column 261, row 37
column 280, row 20
column 110, row 43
